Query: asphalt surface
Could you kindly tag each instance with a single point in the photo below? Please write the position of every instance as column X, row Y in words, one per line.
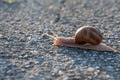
column 27, row 53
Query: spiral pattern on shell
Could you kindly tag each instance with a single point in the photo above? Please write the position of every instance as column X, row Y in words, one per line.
column 88, row 34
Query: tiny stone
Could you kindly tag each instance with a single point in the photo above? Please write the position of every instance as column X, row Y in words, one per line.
column 89, row 77
column 1, row 35
column 20, row 56
column 60, row 72
column 31, row 76
column 77, row 78
column 33, row 51
column 71, row 74
column 48, row 77
column 115, row 47
column 11, row 38
column 96, row 73
column 26, row 56
column 29, row 37
column 23, row 39
column 117, row 69
column 9, row 71
column 109, row 68
column 66, row 78
column 107, row 76
column 39, row 58
column 55, row 71
column 90, row 69
column 97, row 67
column 62, row 1
column 33, row 42
column 36, row 62
column 23, row 70
column 36, row 74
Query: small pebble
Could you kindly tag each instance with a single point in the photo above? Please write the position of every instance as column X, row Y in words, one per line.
column 90, row 69
column 1, row 35
column 55, row 71
column 71, row 74
column 23, row 70
column 109, row 68
column 33, row 42
column 66, row 78
column 60, row 72
column 23, row 39
column 49, row 78
column 36, row 62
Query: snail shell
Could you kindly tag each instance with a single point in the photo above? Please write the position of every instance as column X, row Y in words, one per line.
column 88, row 34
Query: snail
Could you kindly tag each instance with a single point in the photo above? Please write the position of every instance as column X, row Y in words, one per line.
column 86, row 37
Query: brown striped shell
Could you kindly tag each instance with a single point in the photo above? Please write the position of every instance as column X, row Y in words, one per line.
column 88, row 34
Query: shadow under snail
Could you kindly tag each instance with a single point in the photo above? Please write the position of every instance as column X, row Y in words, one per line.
column 86, row 37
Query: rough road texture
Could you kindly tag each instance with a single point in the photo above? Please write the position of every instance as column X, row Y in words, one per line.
column 26, row 53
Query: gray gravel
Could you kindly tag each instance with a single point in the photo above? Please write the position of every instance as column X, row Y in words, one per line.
column 26, row 53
